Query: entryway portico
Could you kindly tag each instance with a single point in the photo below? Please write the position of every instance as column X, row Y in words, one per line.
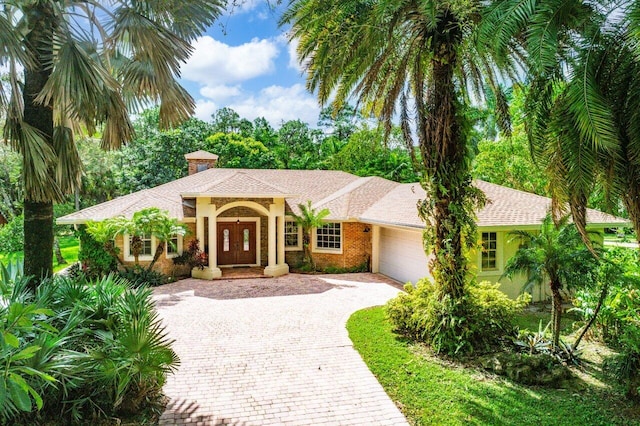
column 230, row 228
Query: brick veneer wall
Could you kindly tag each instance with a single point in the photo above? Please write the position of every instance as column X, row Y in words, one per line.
column 356, row 249
column 193, row 165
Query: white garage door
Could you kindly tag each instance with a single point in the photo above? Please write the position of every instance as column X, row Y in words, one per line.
column 401, row 254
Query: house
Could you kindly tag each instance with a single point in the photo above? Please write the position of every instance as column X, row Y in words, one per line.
column 242, row 217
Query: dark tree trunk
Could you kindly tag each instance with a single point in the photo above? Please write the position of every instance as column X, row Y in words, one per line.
column 444, row 153
column 603, row 296
column 556, row 298
column 38, row 214
column 38, row 240
column 156, row 256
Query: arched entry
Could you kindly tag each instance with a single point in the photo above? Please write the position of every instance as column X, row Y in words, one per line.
column 238, row 238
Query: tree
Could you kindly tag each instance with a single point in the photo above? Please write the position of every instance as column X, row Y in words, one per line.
column 236, row 151
column 150, row 222
column 297, row 146
column 583, row 103
column 226, row 120
column 308, row 219
column 155, row 222
column 87, row 65
column 413, row 61
column 156, row 156
column 367, row 154
column 555, row 254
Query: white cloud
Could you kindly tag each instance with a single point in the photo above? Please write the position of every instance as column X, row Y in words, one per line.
column 204, row 109
column 241, row 6
column 220, row 92
column 278, row 103
column 294, row 62
column 214, row 63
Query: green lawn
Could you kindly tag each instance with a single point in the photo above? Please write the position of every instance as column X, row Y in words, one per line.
column 432, row 392
column 69, row 247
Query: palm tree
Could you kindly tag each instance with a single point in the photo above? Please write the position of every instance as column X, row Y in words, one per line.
column 416, row 61
column 308, row 219
column 156, row 222
column 555, row 254
column 583, row 103
column 86, row 65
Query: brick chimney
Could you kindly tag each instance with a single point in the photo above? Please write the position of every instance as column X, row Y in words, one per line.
column 200, row 161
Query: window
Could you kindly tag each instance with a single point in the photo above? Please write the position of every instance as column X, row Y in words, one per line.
column 292, row 239
column 328, row 236
column 201, row 167
column 172, row 246
column 145, row 246
column 489, row 260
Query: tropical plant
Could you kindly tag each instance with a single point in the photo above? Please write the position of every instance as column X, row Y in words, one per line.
column 193, row 256
column 147, row 222
column 413, row 61
column 308, row 219
column 582, row 104
column 12, row 235
column 422, row 314
column 557, row 255
column 79, row 351
column 87, row 65
column 155, row 222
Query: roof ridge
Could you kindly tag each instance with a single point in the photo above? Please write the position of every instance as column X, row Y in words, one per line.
column 351, row 186
column 260, row 180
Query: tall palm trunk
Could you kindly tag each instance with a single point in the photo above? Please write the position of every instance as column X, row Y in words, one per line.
column 556, row 299
column 443, row 148
column 38, row 215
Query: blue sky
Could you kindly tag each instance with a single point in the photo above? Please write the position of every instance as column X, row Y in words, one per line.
column 245, row 62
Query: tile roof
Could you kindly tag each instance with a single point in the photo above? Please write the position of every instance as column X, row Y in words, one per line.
column 348, row 197
column 506, row 207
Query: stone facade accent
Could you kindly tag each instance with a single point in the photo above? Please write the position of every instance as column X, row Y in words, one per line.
column 356, row 249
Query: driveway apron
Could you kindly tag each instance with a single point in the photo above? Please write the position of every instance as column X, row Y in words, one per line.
column 273, row 360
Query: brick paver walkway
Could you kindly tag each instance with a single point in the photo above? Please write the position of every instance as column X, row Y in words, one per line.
column 273, row 360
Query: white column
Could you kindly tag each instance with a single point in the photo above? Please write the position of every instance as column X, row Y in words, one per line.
column 213, row 238
column 204, row 208
column 272, row 236
column 277, row 265
column 202, row 205
column 375, row 249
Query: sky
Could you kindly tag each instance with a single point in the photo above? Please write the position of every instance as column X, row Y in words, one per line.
column 246, row 63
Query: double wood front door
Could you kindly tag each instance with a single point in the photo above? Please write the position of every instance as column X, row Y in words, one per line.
column 236, row 243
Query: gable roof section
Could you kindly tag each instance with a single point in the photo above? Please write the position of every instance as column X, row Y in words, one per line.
column 505, row 207
column 239, row 184
column 348, row 197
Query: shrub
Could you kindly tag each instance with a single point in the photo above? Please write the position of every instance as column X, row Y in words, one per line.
column 139, row 276
column 96, row 261
column 480, row 322
column 79, row 351
column 192, row 256
column 12, row 236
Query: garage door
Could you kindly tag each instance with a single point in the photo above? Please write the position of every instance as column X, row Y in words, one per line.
column 401, row 254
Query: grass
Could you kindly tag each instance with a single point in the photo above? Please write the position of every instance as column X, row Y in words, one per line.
column 69, row 247
column 430, row 391
column 530, row 320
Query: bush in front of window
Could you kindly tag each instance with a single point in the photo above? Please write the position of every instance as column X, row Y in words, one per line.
column 192, row 256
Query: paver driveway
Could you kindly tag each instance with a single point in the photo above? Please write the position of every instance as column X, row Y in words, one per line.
column 272, row 360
